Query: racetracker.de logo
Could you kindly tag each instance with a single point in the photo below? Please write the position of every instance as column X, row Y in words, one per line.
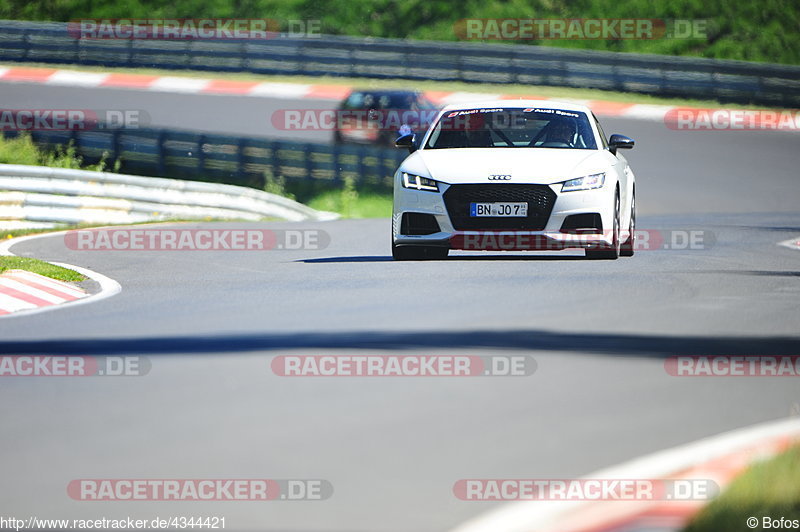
column 73, row 366
column 733, row 366
column 585, row 489
column 199, row 490
column 690, row 119
column 196, row 239
column 403, row 366
column 513, row 29
column 194, row 29
column 332, row 119
column 71, row 119
column 644, row 240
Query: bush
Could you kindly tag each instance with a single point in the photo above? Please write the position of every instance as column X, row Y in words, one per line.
column 22, row 150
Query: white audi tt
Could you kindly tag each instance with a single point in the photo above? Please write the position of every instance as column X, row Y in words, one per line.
column 513, row 175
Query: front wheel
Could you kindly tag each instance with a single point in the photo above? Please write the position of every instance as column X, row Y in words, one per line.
column 609, row 252
column 626, row 250
column 419, row 252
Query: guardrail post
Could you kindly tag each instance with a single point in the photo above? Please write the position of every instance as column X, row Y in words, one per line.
column 77, row 51
column 308, row 152
column 27, row 44
column 362, row 167
column 129, row 52
column 243, row 62
column 337, row 168
column 162, row 166
column 514, row 67
column 616, row 80
column 351, row 52
column 201, row 155
column 115, row 146
column 275, row 147
column 74, row 140
column 302, row 59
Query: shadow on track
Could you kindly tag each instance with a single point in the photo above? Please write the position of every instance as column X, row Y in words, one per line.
column 752, row 273
column 454, row 258
column 625, row 345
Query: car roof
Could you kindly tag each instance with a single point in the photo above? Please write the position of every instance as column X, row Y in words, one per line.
column 543, row 104
column 385, row 91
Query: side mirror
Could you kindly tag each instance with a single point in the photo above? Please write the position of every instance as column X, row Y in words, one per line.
column 406, row 141
column 619, row 142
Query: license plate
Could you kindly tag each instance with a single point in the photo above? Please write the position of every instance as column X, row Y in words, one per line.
column 497, row 209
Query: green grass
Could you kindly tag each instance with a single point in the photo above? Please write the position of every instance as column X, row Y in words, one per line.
column 41, row 267
column 352, row 203
column 367, row 201
column 14, row 233
column 22, row 150
column 770, row 488
column 446, row 86
column 368, row 205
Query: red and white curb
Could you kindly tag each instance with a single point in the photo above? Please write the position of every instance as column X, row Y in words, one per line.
column 22, row 290
column 789, row 119
column 719, row 458
column 174, row 84
column 24, row 293
column 188, row 85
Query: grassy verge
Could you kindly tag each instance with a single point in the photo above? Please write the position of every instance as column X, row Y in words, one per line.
column 367, row 201
column 35, row 265
column 22, row 150
column 363, row 205
column 447, row 86
column 14, row 233
column 767, row 489
column 41, row 267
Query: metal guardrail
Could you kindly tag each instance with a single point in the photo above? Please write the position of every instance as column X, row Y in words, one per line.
column 54, row 195
column 243, row 161
column 727, row 81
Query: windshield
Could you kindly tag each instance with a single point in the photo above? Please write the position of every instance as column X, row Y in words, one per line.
column 388, row 100
column 512, row 128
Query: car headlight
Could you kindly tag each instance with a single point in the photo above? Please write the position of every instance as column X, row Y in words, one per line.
column 586, row 182
column 418, row 182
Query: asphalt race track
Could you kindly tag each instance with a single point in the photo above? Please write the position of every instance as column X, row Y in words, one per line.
column 211, row 322
column 235, row 115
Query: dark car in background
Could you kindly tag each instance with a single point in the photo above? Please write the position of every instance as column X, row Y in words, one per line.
column 378, row 117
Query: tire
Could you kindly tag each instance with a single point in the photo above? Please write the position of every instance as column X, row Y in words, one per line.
column 626, row 249
column 609, row 252
column 419, row 252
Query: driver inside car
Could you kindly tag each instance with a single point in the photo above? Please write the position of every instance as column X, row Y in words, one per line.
column 560, row 134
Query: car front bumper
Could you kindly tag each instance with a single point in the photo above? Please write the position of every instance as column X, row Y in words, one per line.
column 547, row 237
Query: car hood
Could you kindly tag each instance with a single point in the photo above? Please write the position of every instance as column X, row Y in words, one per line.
column 543, row 166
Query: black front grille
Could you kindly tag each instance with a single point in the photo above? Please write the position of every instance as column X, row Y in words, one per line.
column 540, row 200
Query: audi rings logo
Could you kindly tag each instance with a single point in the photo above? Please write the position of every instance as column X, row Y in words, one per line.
column 499, row 177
